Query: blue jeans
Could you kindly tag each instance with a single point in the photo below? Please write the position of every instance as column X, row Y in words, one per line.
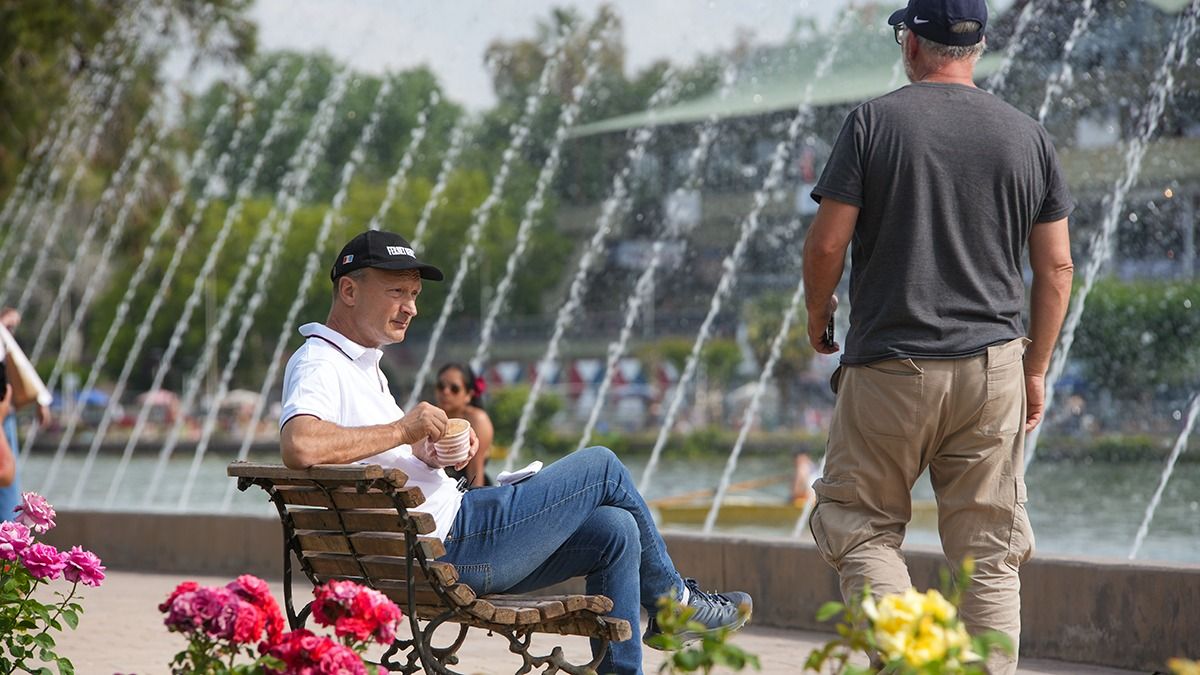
column 580, row 516
column 10, row 496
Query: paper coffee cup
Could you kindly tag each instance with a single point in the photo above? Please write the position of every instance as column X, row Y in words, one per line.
column 455, row 445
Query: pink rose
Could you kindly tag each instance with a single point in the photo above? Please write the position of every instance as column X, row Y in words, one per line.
column 341, row 660
column 83, row 566
column 35, row 512
column 43, row 561
column 185, row 587
column 248, row 624
column 210, row 601
column 14, row 538
column 181, row 615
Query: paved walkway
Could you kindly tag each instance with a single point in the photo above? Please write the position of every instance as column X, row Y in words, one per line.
column 121, row 631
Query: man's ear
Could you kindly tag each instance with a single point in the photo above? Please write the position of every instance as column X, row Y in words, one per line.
column 347, row 290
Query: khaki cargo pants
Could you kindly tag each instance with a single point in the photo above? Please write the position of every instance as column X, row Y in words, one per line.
column 964, row 420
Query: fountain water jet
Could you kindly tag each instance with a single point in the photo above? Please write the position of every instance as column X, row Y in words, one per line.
column 482, row 214
column 399, row 178
column 998, row 79
column 751, row 413
column 676, row 227
column 458, row 137
column 92, row 148
column 566, row 120
column 151, row 311
column 1180, row 445
column 1101, row 248
column 614, row 205
column 137, row 152
column 1065, row 75
column 748, row 228
column 198, row 160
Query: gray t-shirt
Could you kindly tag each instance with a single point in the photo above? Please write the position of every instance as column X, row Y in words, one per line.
column 949, row 181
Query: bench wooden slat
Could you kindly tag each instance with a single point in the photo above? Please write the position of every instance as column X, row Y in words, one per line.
column 546, row 609
column 584, row 624
column 378, row 567
column 363, row 520
column 587, row 624
column 338, row 472
column 365, row 543
column 397, row 590
column 347, row 499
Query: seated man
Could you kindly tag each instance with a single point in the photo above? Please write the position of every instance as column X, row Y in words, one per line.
column 581, row 516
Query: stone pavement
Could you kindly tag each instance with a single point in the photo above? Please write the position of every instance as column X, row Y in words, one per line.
column 121, row 631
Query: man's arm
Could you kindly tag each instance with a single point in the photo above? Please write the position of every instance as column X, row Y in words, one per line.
column 824, row 259
column 306, row 440
column 1050, row 258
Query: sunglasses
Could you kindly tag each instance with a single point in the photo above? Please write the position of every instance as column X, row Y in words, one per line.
column 898, row 30
column 453, row 387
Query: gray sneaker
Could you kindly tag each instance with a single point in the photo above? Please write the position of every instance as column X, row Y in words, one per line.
column 713, row 610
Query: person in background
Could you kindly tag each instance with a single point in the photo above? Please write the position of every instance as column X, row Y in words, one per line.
column 10, row 483
column 460, row 393
column 802, row 478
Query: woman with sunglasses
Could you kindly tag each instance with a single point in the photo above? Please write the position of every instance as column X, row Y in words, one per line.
column 460, row 393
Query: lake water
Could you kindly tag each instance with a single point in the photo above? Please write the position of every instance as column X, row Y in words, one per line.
column 1091, row 509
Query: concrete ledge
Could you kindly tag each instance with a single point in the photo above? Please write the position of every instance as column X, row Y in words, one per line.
column 1112, row 613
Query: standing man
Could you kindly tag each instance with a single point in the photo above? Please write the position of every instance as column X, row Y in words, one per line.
column 581, row 516
column 939, row 186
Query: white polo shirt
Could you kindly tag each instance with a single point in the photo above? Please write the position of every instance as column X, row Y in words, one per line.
column 337, row 380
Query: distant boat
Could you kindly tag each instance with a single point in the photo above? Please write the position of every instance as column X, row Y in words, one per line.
column 740, row 510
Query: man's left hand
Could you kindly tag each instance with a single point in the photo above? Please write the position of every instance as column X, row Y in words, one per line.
column 471, row 453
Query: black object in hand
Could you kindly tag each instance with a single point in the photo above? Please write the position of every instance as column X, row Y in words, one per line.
column 827, row 338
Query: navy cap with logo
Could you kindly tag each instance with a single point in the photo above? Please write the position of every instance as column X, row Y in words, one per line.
column 381, row 250
column 932, row 19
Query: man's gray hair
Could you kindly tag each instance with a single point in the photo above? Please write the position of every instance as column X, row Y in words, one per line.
column 941, row 52
column 356, row 275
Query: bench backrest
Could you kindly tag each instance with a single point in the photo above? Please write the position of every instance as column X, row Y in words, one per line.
column 353, row 522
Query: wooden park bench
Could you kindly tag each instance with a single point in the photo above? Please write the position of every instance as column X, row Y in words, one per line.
column 354, row 522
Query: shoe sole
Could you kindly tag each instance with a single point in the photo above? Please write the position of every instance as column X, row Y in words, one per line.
column 690, row 637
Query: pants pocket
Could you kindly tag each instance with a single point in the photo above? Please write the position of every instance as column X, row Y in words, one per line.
column 885, row 397
column 837, row 523
column 1004, row 410
column 1021, row 542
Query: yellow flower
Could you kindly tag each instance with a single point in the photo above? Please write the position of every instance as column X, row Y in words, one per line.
column 938, row 607
column 1184, row 666
column 929, row 644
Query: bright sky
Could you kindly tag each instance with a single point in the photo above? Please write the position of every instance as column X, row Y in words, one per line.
column 451, row 35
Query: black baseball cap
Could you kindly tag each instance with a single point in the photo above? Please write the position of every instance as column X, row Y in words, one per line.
column 381, row 250
column 931, row 19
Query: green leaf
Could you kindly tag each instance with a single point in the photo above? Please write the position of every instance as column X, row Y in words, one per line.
column 44, row 640
column 829, row 610
column 71, row 617
column 65, row 667
column 688, row 660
